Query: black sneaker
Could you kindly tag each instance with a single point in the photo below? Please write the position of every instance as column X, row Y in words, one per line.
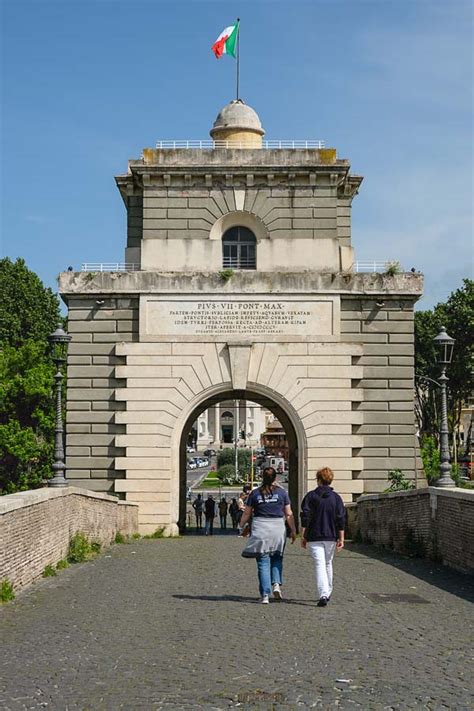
column 322, row 602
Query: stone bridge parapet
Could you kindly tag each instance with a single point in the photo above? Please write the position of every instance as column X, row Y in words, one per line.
column 36, row 527
column 431, row 522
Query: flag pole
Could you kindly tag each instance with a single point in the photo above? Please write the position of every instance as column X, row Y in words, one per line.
column 238, row 58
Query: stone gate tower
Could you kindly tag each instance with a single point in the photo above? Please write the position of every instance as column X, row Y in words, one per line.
column 239, row 281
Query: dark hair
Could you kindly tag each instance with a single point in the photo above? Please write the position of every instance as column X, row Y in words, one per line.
column 268, row 477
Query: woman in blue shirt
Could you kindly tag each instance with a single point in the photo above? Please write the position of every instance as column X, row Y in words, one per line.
column 269, row 506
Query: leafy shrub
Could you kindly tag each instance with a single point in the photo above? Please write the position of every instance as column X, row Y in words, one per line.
column 120, row 538
column 226, row 274
column 398, row 481
column 227, row 456
column 430, row 458
column 49, row 572
column 62, row 564
column 80, row 549
column 226, row 474
column 392, row 268
column 6, row 591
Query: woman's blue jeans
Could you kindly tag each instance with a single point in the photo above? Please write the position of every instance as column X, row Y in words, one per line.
column 269, row 569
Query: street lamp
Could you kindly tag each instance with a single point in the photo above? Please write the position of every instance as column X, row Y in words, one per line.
column 59, row 341
column 445, row 345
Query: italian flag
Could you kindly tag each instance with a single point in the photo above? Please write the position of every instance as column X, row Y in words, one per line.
column 226, row 42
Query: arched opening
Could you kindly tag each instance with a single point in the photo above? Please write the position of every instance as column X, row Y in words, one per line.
column 239, row 248
column 294, row 452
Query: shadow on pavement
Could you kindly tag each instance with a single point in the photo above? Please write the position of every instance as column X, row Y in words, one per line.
column 243, row 598
column 193, row 531
column 441, row 576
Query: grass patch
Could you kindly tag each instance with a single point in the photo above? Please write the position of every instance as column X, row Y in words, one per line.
column 6, row 591
column 159, row 533
column 49, row 571
column 136, row 536
column 81, row 549
column 62, row 564
column 210, row 483
column 120, row 538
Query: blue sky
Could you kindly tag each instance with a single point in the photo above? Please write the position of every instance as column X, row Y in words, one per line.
column 87, row 84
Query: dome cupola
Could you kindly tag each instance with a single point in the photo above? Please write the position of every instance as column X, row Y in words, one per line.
column 239, row 124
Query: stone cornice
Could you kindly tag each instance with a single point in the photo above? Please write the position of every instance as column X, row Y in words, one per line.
column 142, row 177
column 408, row 285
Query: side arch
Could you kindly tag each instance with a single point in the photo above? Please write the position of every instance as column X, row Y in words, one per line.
column 266, row 397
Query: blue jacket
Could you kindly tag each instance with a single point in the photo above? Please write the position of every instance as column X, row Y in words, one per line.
column 322, row 514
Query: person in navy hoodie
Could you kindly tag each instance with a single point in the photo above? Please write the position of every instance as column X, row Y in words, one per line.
column 322, row 530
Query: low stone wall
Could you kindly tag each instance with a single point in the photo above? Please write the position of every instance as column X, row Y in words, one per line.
column 431, row 522
column 36, row 527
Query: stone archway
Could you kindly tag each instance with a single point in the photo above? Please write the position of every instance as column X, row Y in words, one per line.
column 289, row 420
column 311, row 387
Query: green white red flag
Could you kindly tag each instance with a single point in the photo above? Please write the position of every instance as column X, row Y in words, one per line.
column 226, row 43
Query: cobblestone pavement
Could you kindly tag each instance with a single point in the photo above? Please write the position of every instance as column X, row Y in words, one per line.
column 175, row 624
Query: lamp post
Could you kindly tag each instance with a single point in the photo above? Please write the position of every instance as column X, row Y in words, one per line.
column 445, row 345
column 59, row 341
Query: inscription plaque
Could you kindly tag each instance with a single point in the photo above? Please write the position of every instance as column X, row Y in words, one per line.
column 252, row 318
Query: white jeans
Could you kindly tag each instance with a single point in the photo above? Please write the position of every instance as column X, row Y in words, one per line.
column 323, row 553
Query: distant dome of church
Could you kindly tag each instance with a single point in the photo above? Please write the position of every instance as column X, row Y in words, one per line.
column 238, row 122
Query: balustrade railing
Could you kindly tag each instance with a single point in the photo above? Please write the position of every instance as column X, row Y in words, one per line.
column 109, row 267
column 208, row 144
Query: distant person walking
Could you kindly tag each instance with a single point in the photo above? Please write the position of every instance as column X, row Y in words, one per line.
column 234, row 512
column 322, row 521
column 198, row 506
column 243, row 496
column 269, row 507
column 209, row 513
column 223, row 509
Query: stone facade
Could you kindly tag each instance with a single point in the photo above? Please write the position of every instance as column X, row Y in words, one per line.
column 330, row 352
column 226, row 421
column 180, row 202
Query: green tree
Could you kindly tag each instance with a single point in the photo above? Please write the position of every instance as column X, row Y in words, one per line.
column 457, row 316
column 28, row 313
column 226, row 474
column 28, row 310
column 227, row 457
column 244, row 456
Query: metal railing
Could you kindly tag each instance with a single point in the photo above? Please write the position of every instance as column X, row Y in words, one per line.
column 109, row 267
column 239, row 263
column 376, row 266
column 207, row 144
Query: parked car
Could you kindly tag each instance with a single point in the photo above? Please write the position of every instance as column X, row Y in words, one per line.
column 201, row 461
column 210, row 452
column 190, row 449
column 191, row 464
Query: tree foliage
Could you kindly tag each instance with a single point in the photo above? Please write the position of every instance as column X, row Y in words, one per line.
column 227, row 457
column 226, row 474
column 28, row 310
column 28, row 313
column 457, row 316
